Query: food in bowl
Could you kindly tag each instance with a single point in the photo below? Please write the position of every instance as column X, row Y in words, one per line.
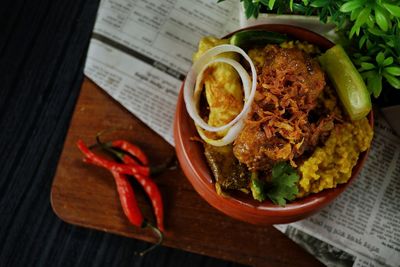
column 269, row 117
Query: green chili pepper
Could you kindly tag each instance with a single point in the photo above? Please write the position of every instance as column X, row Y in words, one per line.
column 257, row 37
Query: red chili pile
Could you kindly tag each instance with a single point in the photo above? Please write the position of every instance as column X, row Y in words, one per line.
column 134, row 162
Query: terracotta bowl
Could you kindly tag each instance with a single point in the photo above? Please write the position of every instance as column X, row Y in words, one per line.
column 241, row 206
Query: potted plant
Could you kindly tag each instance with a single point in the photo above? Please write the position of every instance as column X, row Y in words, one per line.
column 368, row 29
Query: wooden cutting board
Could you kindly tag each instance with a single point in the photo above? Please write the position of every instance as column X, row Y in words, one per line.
column 85, row 195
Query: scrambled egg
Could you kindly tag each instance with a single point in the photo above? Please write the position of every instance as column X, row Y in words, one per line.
column 223, row 86
column 332, row 164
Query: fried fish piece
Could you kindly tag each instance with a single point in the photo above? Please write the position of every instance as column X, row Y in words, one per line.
column 227, row 170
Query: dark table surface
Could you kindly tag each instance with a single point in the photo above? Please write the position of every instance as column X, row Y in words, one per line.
column 43, row 44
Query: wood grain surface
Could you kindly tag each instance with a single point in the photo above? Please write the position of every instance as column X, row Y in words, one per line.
column 85, row 195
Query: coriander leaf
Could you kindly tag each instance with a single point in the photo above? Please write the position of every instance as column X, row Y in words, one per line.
column 284, row 184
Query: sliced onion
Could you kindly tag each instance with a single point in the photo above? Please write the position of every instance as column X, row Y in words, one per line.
column 236, row 65
column 233, row 132
column 198, row 68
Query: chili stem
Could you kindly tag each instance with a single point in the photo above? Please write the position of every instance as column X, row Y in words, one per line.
column 159, row 242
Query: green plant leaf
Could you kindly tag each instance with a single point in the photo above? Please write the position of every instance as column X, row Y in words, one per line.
column 394, row 10
column 390, row 43
column 263, row 2
column 370, row 22
column 382, row 21
column 388, row 61
column 368, row 74
column 319, row 3
column 363, row 16
column 354, row 13
column 395, row 71
column 376, row 31
column 395, row 82
column 367, row 66
column 350, row 6
column 362, row 41
column 249, row 8
column 380, row 57
column 353, row 31
column 271, row 4
column 375, row 85
column 299, row 8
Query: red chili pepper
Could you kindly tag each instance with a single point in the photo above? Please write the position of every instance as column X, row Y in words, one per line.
column 148, row 185
column 126, row 193
column 133, row 151
column 130, row 148
column 131, row 168
column 128, row 200
column 152, row 191
column 111, row 165
column 131, row 209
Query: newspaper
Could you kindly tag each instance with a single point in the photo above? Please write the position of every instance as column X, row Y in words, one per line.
column 141, row 50
column 139, row 53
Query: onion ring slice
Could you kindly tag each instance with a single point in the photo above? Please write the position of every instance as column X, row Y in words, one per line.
column 227, row 139
column 196, row 70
